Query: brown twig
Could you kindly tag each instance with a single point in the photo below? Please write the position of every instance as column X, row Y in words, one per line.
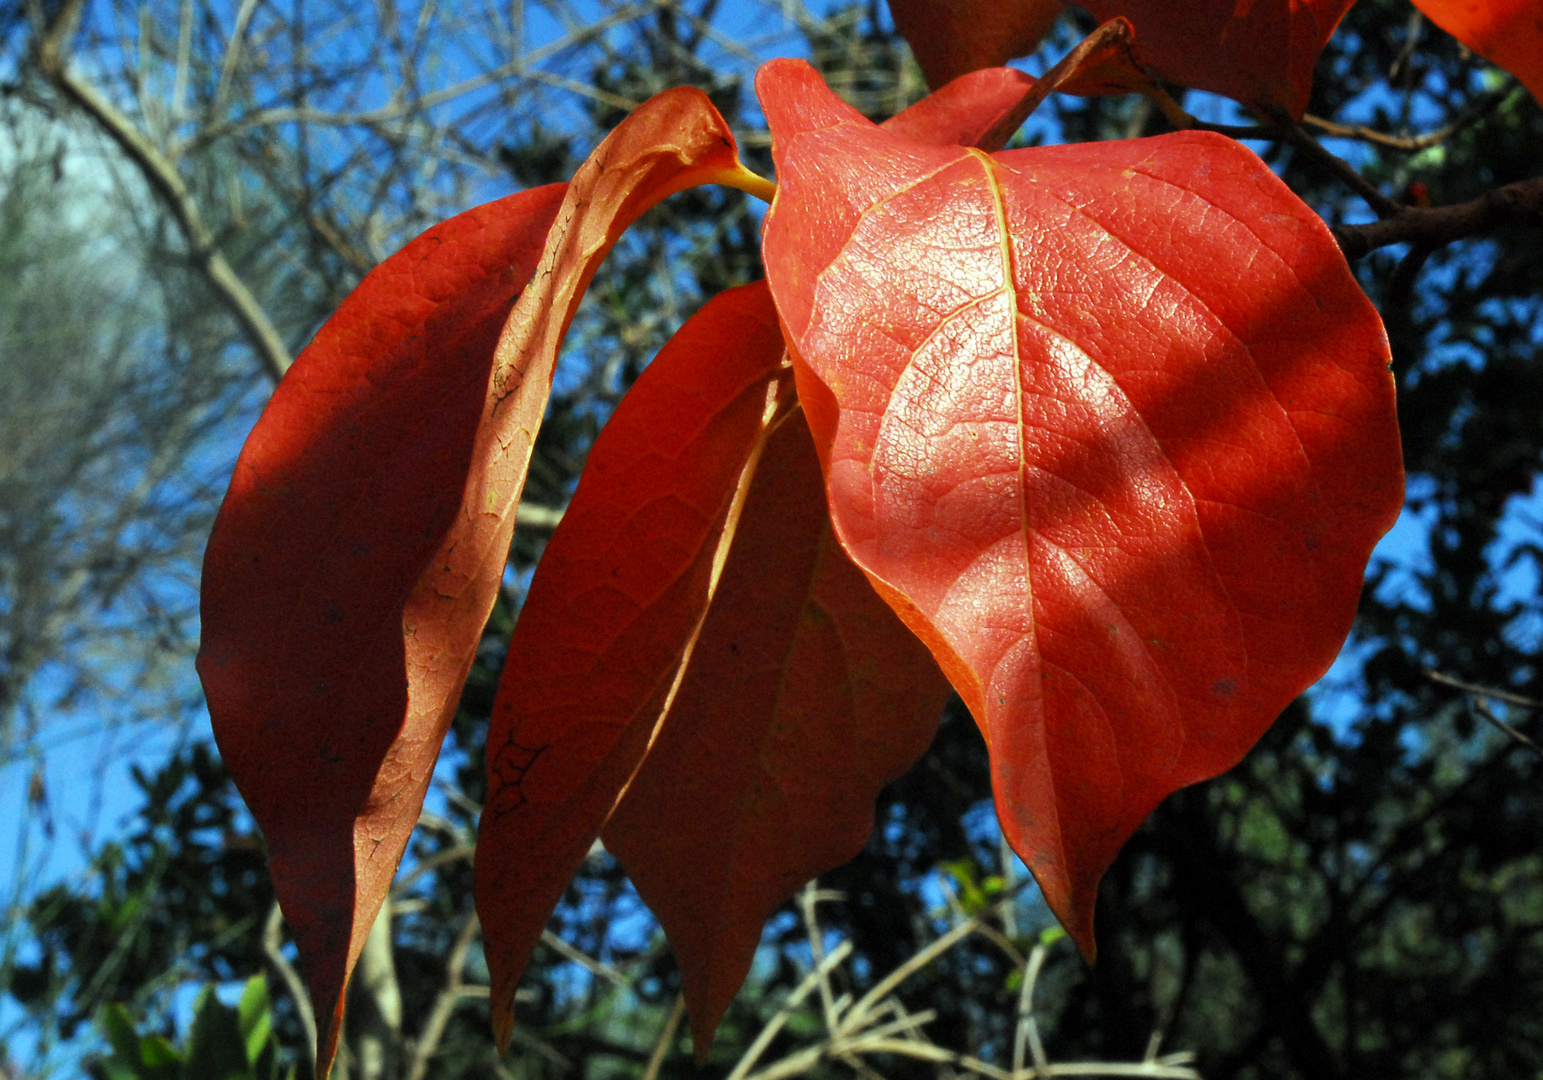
column 666, row 1039
column 1360, row 132
column 1481, row 707
column 444, row 1005
column 1483, row 691
column 1520, row 203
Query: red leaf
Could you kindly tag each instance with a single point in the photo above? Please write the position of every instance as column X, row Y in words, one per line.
column 613, row 611
column 804, row 696
column 344, row 491
column 982, row 109
column 371, row 515
column 1260, row 53
column 1109, row 425
column 1505, row 32
column 953, row 37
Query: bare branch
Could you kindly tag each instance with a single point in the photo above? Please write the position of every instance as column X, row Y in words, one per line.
column 273, row 949
column 444, row 1005
column 158, row 172
column 1520, row 203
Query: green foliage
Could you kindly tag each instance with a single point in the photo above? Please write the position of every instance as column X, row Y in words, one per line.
column 224, row 1043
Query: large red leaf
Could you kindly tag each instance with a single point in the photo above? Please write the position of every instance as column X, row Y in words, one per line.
column 804, row 696
column 345, row 489
column 1109, row 425
column 1504, row 32
column 1259, row 52
column 613, row 611
column 361, row 548
column 953, row 37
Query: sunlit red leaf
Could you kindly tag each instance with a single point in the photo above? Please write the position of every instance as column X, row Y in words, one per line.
column 1257, row 52
column 345, row 490
column 953, row 37
column 1505, row 32
column 1109, row 425
column 371, row 517
column 613, row 611
column 804, row 696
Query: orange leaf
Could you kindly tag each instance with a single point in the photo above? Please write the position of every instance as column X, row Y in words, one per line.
column 804, row 696
column 953, row 37
column 1505, row 32
column 613, row 611
column 344, row 491
column 373, row 519
column 1259, row 52
column 1125, row 499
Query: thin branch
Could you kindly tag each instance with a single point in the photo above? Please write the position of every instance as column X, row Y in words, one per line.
column 1027, row 1035
column 444, row 1005
column 273, row 948
column 795, row 999
column 666, row 1039
column 584, row 960
column 1520, row 203
column 53, row 59
column 1482, row 108
column 1482, row 708
column 1484, row 691
column 1299, row 137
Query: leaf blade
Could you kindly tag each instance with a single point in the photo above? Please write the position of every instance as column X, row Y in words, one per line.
column 1125, row 500
column 378, row 411
column 951, row 38
column 1508, row 33
column 803, row 697
column 364, row 733
column 597, row 649
column 1260, row 53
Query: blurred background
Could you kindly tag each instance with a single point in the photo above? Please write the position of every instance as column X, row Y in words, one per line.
column 189, row 187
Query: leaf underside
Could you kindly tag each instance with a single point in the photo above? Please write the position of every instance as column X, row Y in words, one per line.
column 1126, row 499
column 359, row 553
column 951, row 38
column 612, row 612
column 344, row 492
column 1259, row 53
column 804, row 696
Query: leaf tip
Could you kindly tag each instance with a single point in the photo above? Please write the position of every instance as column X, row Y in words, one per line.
column 503, row 1028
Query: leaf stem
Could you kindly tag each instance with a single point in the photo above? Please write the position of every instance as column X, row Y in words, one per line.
column 750, row 183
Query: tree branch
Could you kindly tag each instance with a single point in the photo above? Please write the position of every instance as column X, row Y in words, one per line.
column 1520, row 203
column 272, row 942
column 53, row 60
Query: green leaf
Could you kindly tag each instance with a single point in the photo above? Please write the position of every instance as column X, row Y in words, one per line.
column 118, row 1026
column 216, row 1048
column 254, row 1011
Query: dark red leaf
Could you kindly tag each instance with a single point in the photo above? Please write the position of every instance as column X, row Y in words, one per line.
column 804, row 696
column 613, row 611
column 311, row 601
column 953, row 37
column 362, row 545
column 1109, row 425
column 1261, row 52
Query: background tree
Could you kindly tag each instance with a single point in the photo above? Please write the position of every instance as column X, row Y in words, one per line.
column 1362, row 897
